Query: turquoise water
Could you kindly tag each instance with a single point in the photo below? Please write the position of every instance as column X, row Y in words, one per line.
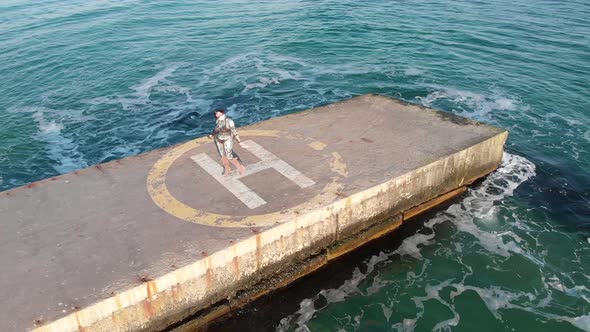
column 84, row 82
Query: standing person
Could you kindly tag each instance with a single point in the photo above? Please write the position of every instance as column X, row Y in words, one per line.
column 223, row 136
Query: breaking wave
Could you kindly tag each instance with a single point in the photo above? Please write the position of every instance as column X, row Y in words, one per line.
column 477, row 216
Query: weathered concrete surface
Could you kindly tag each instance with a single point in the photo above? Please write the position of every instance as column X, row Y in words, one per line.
column 143, row 242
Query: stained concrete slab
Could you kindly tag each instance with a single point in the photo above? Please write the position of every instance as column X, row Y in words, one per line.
column 149, row 238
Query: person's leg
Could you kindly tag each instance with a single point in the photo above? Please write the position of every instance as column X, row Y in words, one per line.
column 221, row 149
column 226, row 166
column 238, row 165
column 229, row 146
column 228, row 154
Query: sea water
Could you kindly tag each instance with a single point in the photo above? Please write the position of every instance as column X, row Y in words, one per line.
column 85, row 82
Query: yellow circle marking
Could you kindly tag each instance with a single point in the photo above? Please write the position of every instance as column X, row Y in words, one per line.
column 158, row 191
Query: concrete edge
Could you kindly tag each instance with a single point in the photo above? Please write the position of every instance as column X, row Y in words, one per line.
column 178, row 294
column 204, row 317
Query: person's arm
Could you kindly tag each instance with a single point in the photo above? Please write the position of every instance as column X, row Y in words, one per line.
column 234, row 133
column 213, row 132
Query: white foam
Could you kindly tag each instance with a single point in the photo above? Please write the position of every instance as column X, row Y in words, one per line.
column 263, row 82
column 413, row 71
column 173, row 88
column 582, row 322
column 470, row 104
column 50, row 127
column 278, row 58
column 465, row 216
column 577, row 291
column 142, row 90
column 410, row 245
column 307, row 307
column 266, row 68
column 387, row 311
column 478, row 202
column 567, row 131
column 406, row 325
column 377, row 284
column 232, row 61
column 496, row 299
column 60, row 148
column 504, row 104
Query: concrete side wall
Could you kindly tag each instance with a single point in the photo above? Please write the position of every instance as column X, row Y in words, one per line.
column 223, row 275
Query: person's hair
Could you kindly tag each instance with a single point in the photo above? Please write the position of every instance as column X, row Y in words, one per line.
column 219, row 110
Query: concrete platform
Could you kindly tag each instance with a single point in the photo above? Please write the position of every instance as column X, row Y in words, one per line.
column 147, row 241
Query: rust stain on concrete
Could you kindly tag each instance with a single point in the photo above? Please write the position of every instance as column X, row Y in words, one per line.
column 258, row 250
column 210, row 279
column 148, row 309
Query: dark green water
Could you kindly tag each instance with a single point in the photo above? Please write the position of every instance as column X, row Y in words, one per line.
column 84, row 82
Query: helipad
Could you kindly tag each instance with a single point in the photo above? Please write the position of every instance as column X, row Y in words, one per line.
column 148, row 241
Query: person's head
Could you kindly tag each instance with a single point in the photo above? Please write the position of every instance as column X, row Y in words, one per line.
column 219, row 112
